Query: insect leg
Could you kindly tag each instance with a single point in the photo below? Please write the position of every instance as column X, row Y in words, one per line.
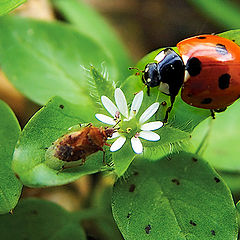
column 172, row 98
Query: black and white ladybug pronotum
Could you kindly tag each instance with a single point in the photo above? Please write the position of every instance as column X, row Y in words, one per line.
column 207, row 69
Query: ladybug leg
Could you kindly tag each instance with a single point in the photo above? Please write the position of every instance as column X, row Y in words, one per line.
column 148, row 90
column 220, row 110
column 212, row 113
column 172, row 98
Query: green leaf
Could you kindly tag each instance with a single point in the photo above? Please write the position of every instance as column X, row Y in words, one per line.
column 92, row 24
column 54, row 55
column 178, row 197
column 32, row 164
column 222, row 145
column 233, row 35
column 7, row 6
column 38, row 219
column 100, row 85
column 9, row 184
column 224, row 13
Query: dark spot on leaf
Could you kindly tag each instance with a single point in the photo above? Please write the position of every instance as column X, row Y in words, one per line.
column 192, row 223
column 213, row 232
column 164, row 103
column 61, row 106
column 132, row 188
column 206, row 101
column 217, row 180
column 91, row 238
column 194, row 159
column 135, row 173
column 148, row 228
column 34, row 212
column 221, row 49
column 223, row 81
column 233, row 40
column 201, row 37
column 176, row 181
column 193, row 66
column 129, row 214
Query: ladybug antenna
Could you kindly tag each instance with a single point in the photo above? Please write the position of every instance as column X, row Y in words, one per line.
column 132, row 68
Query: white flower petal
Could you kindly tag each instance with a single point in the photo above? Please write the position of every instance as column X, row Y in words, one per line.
column 136, row 145
column 121, row 102
column 149, row 112
column 115, row 135
column 151, row 126
column 148, row 135
column 118, row 144
column 109, row 105
column 105, row 119
column 136, row 103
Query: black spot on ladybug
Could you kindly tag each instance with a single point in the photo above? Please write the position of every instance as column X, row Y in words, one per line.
column 206, row 101
column 193, row 66
column 194, row 159
column 61, row 106
column 132, row 188
column 213, row 232
column 148, row 228
column 192, row 223
column 176, row 181
column 201, row 37
column 217, row 180
column 223, row 81
column 221, row 49
column 129, row 214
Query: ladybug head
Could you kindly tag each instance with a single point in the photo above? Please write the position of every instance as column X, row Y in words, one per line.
column 171, row 71
column 151, row 75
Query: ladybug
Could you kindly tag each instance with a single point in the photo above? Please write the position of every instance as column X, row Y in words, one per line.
column 206, row 68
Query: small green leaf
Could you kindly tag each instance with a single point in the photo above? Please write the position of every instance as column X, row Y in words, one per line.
column 38, row 219
column 55, row 55
column 92, row 24
column 9, row 184
column 7, row 6
column 233, row 35
column 100, row 85
column 222, row 144
column 32, row 164
column 178, row 197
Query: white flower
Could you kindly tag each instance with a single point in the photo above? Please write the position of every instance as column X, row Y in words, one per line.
column 129, row 127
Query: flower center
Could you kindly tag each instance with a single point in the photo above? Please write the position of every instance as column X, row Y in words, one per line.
column 129, row 128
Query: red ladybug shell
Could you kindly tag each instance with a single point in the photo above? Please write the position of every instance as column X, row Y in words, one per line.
column 212, row 80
